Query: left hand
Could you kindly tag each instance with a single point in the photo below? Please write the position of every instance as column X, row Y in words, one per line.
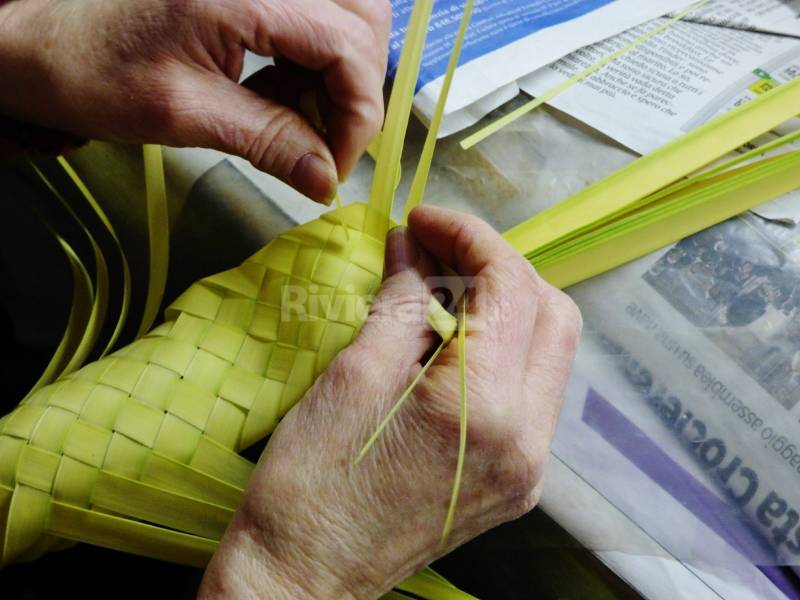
column 167, row 71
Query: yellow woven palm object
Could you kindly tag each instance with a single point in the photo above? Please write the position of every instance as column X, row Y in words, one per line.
column 163, row 418
column 139, row 450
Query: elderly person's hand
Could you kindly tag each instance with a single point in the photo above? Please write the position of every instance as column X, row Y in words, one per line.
column 315, row 525
column 167, row 71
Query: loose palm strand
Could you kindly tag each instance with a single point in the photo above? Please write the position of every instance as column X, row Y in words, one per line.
column 440, row 320
column 337, row 199
column 417, row 191
column 398, row 114
column 100, row 284
column 126, row 271
column 158, row 234
column 462, row 438
column 399, row 404
column 77, row 322
column 613, row 195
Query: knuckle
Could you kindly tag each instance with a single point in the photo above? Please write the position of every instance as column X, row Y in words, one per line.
column 364, row 45
column 361, row 31
column 316, row 35
column 520, row 288
column 383, row 12
column 164, row 103
column 351, row 366
column 375, row 112
column 352, row 36
column 268, row 148
column 351, row 361
column 523, row 470
column 367, row 113
column 465, row 235
column 526, row 276
column 522, row 505
column 401, row 306
column 569, row 320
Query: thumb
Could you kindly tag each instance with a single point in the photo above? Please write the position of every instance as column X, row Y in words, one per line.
column 397, row 331
column 226, row 116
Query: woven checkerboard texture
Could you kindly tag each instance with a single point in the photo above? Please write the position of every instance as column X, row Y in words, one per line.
column 138, row 451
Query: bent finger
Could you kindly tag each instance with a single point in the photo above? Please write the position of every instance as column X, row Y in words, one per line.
column 396, row 331
column 503, row 288
column 340, row 45
column 213, row 112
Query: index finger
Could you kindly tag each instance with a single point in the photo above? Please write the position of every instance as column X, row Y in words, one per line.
column 378, row 13
column 504, row 289
column 341, row 46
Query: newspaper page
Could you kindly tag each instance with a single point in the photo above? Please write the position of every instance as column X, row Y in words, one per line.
column 674, row 83
column 690, row 373
column 507, row 40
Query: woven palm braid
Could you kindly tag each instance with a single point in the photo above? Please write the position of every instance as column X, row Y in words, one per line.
column 138, row 451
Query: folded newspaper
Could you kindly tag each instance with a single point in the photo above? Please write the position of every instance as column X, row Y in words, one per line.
column 679, row 79
column 686, row 394
column 724, row 55
column 508, row 40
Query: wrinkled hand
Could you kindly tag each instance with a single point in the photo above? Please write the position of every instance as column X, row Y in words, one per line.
column 167, row 71
column 315, row 525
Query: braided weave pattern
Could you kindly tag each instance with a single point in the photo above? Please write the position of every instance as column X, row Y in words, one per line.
column 138, row 451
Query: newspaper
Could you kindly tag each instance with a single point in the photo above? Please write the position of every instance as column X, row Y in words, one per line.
column 687, row 394
column 679, row 80
column 676, row 82
column 508, row 39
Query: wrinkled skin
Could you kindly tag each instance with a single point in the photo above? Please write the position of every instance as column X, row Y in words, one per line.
column 315, row 525
column 167, row 71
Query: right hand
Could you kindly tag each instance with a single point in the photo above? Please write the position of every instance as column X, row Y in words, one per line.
column 313, row 524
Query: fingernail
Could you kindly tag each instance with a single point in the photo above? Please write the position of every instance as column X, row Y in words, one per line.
column 314, row 177
column 401, row 251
